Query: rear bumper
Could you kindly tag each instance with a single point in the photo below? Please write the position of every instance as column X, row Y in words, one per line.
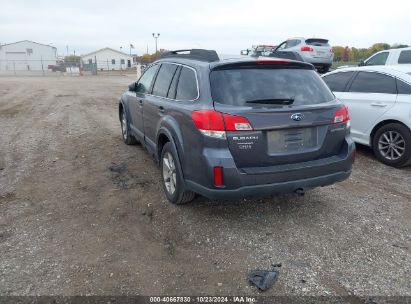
column 318, row 61
column 268, row 189
column 263, row 181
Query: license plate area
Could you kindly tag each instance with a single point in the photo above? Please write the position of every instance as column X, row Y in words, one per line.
column 292, row 140
column 320, row 54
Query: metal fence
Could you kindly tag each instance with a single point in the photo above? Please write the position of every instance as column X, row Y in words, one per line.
column 65, row 68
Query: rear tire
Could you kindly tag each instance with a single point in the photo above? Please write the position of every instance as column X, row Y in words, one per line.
column 323, row 70
column 392, row 145
column 125, row 130
column 172, row 180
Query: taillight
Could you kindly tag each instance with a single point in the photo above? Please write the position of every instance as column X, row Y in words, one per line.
column 236, row 123
column 214, row 124
column 306, row 48
column 208, row 120
column 341, row 115
column 218, row 176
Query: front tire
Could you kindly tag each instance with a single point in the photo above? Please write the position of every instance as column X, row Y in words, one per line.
column 125, row 129
column 173, row 184
column 392, row 145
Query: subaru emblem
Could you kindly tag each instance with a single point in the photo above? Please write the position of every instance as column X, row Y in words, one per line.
column 297, row 116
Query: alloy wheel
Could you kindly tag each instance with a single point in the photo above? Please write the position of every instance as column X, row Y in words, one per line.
column 169, row 173
column 124, row 125
column 391, row 145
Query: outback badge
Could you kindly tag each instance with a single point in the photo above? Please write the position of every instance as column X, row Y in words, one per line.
column 297, row 116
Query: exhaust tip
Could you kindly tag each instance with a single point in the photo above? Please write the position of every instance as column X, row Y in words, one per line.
column 300, row 191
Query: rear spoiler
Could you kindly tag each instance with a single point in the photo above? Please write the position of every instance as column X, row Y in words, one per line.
column 261, row 62
column 314, row 40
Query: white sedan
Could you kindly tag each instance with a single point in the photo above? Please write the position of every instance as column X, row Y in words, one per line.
column 379, row 103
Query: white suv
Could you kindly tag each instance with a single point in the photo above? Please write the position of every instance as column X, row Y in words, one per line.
column 316, row 51
column 379, row 103
column 389, row 57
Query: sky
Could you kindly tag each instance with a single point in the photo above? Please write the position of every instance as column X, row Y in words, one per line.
column 226, row 26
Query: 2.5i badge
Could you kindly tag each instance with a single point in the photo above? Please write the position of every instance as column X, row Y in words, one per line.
column 245, row 142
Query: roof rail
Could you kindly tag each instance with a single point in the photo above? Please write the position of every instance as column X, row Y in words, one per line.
column 196, row 54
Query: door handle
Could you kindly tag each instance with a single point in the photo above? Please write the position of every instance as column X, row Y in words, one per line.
column 378, row 104
column 161, row 109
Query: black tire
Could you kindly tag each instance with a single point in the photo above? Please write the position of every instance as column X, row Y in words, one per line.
column 323, row 70
column 171, row 177
column 125, row 130
column 391, row 139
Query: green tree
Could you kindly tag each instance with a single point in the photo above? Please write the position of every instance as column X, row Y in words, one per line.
column 149, row 58
column 338, row 52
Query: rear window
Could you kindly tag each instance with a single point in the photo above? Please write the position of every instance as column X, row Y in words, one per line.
column 237, row 86
column 317, row 42
column 371, row 82
column 405, row 57
column 403, row 88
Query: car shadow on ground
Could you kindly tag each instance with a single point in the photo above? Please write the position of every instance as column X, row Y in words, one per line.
column 266, row 208
column 365, row 151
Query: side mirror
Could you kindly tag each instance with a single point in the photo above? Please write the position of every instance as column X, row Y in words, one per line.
column 132, row 87
column 361, row 63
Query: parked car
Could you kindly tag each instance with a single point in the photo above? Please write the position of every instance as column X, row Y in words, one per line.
column 269, row 51
column 259, row 50
column 237, row 127
column 316, row 51
column 379, row 101
column 62, row 66
column 389, row 57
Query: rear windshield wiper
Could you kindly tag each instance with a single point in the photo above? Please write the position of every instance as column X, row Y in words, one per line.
column 286, row 101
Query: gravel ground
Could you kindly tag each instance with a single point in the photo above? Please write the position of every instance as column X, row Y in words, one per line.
column 83, row 214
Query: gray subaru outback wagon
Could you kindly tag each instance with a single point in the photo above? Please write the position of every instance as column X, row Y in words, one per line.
column 233, row 128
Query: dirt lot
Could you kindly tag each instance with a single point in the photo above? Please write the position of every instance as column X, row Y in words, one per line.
column 82, row 213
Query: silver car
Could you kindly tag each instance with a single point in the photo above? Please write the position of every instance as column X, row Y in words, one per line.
column 316, row 51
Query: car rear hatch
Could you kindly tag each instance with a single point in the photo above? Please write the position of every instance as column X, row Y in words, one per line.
column 320, row 47
column 289, row 110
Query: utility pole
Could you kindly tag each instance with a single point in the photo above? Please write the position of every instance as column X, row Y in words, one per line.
column 156, row 37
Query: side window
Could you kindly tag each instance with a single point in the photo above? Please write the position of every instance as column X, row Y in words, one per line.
column 163, row 79
column 187, row 85
column 379, row 59
column 338, row 82
column 145, row 81
column 368, row 82
column 405, row 57
column 292, row 43
column 282, row 46
column 172, row 90
column 403, row 88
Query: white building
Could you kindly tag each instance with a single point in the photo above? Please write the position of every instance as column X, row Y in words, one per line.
column 26, row 56
column 108, row 59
